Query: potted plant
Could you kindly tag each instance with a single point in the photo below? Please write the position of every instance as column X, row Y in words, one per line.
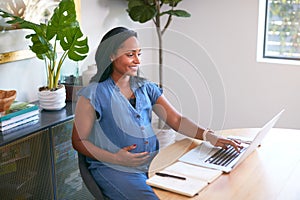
column 144, row 11
column 62, row 29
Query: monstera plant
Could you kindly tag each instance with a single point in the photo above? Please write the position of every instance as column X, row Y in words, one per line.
column 146, row 10
column 54, row 41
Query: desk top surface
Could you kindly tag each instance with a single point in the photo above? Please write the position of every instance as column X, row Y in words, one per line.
column 272, row 171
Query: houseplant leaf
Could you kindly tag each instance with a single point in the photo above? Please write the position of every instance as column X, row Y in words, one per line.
column 76, row 45
column 41, row 47
column 62, row 27
column 140, row 11
column 63, row 18
column 177, row 13
column 135, row 3
column 172, row 3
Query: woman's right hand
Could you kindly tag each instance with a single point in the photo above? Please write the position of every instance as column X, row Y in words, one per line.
column 126, row 158
column 220, row 141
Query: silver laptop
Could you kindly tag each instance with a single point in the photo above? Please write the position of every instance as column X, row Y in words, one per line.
column 207, row 155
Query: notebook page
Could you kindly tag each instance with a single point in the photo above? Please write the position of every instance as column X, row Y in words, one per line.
column 197, row 172
column 188, row 187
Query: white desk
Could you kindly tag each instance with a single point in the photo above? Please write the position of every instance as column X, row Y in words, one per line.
column 270, row 172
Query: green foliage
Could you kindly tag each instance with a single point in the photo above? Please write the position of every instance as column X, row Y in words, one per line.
column 284, row 17
column 145, row 10
column 177, row 13
column 62, row 27
column 142, row 14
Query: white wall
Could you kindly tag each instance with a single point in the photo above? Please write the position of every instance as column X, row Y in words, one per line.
column 210, row 62
column 254, row 91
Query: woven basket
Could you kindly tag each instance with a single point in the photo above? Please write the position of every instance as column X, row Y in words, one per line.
column 7, row 97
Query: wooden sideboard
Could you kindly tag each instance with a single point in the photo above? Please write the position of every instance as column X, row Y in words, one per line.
column 39, row 162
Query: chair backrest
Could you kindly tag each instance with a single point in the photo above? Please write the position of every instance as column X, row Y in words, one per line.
column 88, row 178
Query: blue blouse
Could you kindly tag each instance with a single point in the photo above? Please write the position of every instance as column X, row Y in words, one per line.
column 119, row 123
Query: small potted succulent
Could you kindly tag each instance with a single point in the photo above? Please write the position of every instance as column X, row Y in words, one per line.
column 62, row 30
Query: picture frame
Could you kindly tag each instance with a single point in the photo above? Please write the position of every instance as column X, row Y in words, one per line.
column 14, row 46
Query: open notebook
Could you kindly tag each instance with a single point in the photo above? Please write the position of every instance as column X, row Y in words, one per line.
column 183, row 178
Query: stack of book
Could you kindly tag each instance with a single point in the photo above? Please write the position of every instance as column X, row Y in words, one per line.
column 20, row 114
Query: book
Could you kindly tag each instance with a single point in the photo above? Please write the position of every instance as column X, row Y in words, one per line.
column 19, row 118
column 18, row 123
column 196, row 178
column 18, row 108
column 3, row 134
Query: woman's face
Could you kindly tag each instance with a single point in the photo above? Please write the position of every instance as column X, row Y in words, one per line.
column 127, row 59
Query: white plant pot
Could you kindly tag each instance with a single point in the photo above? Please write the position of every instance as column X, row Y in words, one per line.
column 52, row 100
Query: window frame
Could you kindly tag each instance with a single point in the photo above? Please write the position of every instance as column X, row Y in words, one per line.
column 261, row 39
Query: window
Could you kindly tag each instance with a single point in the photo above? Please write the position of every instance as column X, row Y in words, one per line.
column 279, row 25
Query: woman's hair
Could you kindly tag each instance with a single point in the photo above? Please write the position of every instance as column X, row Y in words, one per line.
column 108, row 46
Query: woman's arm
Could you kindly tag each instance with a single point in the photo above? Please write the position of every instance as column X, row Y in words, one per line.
column 185, row 126
column 83, row 123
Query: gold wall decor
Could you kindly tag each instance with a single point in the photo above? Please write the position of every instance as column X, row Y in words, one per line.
column 13, row 44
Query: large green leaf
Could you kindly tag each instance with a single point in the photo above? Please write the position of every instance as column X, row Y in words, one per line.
column 40, row 46
column 143, row 13
column 177, row 13
column 135, row 3
column 63, row 18
column 172, row 3
column 62, row 26
column 17, row 20
column 75, row 44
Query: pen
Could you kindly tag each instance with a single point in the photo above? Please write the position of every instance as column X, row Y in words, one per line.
column 169, row 175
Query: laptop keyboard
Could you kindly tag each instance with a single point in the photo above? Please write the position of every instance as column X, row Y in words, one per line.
column 223, row 157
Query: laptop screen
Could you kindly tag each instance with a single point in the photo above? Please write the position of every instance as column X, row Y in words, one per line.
column 260, row 136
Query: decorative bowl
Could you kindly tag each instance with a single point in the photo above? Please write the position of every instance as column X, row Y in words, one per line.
column 7, row 97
